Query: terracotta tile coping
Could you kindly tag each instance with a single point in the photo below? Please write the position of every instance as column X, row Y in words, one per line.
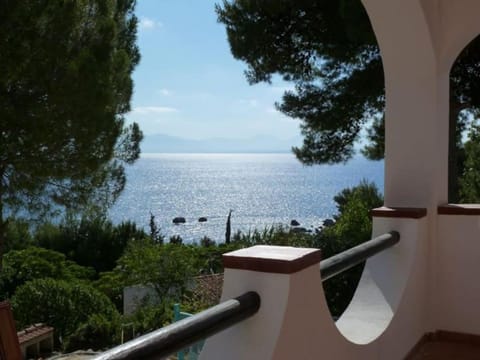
column 272, row 259
column 399, row 212
column 33, row 332
column 459, row 209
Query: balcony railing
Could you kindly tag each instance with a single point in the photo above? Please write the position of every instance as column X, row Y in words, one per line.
column 337, row 264
column 174, row 337
column 181, row 334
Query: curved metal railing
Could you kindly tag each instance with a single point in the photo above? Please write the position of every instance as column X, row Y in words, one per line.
column 181, row 334
column 337, row 264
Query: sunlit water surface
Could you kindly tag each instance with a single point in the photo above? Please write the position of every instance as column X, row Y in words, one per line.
column 261, row 189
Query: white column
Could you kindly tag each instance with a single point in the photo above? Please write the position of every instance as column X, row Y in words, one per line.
column 417, row 90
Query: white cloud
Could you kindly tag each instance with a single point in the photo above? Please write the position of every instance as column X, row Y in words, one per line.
column 149, row 24
column 145, row 110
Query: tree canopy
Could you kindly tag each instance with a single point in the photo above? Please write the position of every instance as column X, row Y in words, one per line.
column 65, row 85
column 328, row 50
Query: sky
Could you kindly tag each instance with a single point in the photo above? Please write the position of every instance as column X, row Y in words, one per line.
column 189, row 85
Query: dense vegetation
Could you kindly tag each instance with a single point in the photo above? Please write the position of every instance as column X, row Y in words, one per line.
column 72, row 275
column 65, row 86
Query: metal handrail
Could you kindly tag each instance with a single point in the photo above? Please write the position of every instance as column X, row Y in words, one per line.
column 336, row 264
column 181, row 334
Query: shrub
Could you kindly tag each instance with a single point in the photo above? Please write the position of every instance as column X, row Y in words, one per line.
column 63, row 305
column 20, row 266
column 97, row 333
column 89, row 242
column 150, row 317
column 207, row 242
column 17, row 235
column 167, row 268
column 352, row 227
column 176, row 239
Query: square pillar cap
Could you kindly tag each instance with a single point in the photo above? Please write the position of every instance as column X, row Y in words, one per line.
column 272, row 259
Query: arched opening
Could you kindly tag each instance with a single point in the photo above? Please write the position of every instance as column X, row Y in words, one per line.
column 464, row 131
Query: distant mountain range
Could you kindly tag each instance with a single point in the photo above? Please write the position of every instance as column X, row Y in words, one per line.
column 160, row 143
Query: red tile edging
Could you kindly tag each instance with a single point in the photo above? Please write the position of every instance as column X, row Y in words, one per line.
column 459, row 209
column 272, row 265
column 399, row 212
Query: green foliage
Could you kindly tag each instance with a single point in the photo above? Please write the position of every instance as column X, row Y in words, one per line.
column 155, row 234
column 150, row 317
column 89, row 242
column 17, row 235
column 470, row 179
column 65, row 86
column 206, row 241
column 61, row 304
column 111, row 283
column 353, row 223
column 97, row 333
column 274, row 235
column 21, row 266
column 167, row 267
column 375, row 150
column 352, row 227
column 176, row 239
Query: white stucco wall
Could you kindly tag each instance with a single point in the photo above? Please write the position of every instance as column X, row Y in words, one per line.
column 457, row 302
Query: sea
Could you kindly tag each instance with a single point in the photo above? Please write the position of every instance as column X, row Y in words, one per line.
column 262, row 190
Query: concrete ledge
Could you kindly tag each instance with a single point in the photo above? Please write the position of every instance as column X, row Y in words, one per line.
column 399, row 212
column 459, row 209
column 272, row 259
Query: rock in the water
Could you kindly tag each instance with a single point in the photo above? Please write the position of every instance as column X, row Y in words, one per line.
column 202, row 219
column 294, row 223
column 328, row 222
column 179, row 220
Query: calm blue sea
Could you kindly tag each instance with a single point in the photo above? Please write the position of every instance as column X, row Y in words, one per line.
column 261, row 189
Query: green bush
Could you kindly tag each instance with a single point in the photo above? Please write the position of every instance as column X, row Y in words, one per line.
column 20, row 266
column 17, row 235
column 150, row 317
column 353, row 226
column 96, row 243
column 61, row 304
column 97, row 333
column 167, row 268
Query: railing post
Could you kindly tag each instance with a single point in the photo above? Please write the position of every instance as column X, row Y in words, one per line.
column 286, row 278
